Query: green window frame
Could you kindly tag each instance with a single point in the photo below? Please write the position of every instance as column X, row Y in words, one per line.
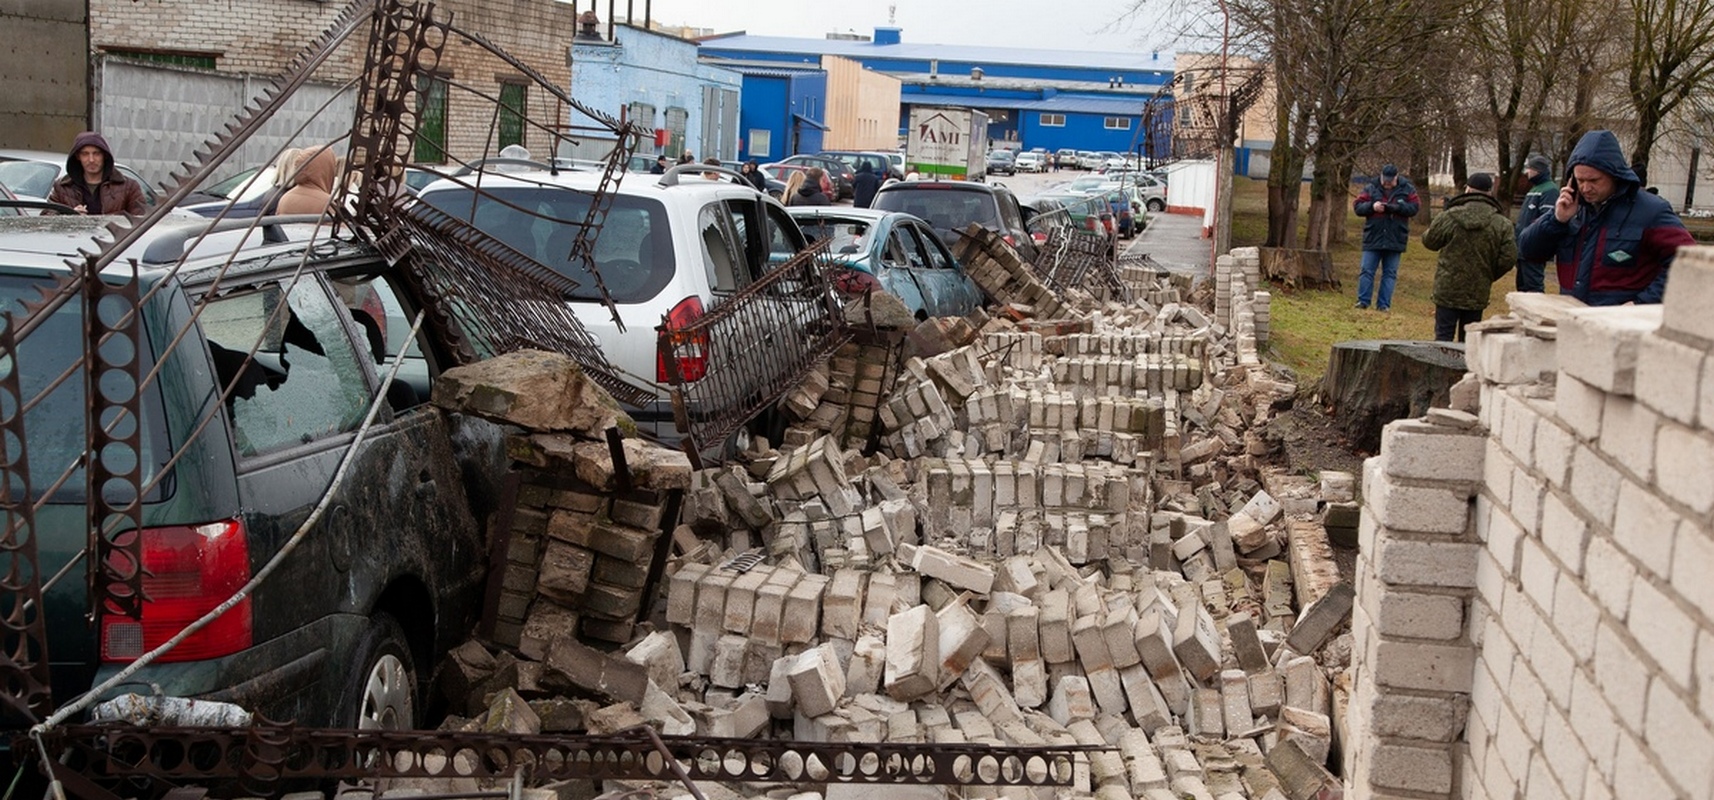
column 429, row 143
column 514, row 99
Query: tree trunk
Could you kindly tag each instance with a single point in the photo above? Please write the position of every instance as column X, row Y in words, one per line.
column 1371, row 383
column 1648, row 127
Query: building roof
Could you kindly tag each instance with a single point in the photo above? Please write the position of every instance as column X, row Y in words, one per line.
column 750, row 70
column 1081, row 59
column 1062, row 104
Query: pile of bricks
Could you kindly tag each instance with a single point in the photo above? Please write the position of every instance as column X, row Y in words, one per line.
column 1007, row 279
column 1063, row 536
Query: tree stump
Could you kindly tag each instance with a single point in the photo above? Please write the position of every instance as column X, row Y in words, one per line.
column 1373, row 382
column 1311, row 269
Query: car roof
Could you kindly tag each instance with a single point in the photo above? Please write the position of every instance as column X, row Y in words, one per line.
column 579, row 180
column 48, row 243
column 33, row 155
column 942, row 186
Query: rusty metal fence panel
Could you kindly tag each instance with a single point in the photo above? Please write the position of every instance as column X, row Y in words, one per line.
column 746, row 351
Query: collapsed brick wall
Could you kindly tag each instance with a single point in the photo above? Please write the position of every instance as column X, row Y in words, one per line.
column 1535, row 609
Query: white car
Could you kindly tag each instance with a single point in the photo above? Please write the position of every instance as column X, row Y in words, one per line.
column 672, row 247
column 30, row 174
column 1030, row 162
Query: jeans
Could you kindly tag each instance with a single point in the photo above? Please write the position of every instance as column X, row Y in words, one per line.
column 1449, row 322
column 1388, row 260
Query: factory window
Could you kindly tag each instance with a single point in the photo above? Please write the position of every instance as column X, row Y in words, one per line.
column 1118, row 123
column 512, row 113
column 1053, row 120
column 430, row 144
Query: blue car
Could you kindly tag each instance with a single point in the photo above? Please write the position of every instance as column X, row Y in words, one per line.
column 896, row 252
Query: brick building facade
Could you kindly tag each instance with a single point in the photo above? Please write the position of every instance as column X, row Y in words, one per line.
column 261, row 37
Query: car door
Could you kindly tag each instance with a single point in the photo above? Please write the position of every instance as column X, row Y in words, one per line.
column 950, row 289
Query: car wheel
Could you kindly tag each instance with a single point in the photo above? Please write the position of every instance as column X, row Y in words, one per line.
column 1157, row 205
column 381, row 692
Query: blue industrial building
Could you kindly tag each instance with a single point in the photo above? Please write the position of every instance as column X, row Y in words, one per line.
column 658, row 82
column 1049, row 99
column 781, row 111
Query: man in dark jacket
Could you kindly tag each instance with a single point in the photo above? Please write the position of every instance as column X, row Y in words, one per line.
column 91, row 185
column 1537, row 202
column 864, row 186
column 1612, row 242
column 1389, row 203
column 661, row 164
column 810, row 193
column 1476, row 248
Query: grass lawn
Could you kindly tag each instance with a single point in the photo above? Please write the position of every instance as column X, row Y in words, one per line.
column 1306, row 322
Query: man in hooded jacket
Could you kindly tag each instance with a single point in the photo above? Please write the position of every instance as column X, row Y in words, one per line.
column 1476, row 248
column 864, row 186
column 92, row 185
column 1612, row 242
column 1538, row 202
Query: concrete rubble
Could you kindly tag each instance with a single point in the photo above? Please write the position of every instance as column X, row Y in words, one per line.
column 1053, row 526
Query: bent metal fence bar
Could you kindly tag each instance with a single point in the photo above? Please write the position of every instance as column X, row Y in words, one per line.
column 740, row 356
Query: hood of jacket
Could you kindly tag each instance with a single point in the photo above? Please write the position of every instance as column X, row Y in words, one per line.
column 1472, row 209
column 1600, row 149
column 72, row 167
column 316, row 169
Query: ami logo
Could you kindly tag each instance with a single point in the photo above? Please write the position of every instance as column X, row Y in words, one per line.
column 939, row 130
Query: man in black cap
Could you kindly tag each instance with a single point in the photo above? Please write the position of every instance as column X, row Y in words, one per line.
column 1388, row 203
column 1476, row 248
column 1542, row 194
column 661, row 164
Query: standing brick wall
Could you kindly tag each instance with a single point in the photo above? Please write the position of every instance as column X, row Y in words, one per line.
column 1535, row 610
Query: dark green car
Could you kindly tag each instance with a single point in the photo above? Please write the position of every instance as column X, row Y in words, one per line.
column 343, row 633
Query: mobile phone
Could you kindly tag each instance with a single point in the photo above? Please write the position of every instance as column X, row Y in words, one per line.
column 1571, row 181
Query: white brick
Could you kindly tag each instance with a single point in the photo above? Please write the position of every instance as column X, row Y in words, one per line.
column 1610, row 577
column 1599, row 345
column 1537, row 573
column 1416, row 449
column 1401, row 561
column 1664, row 631
column 1513, row 744
column 1553, row 447
column 1635, row 774
column 1684, row 462
column 1681, row 740
column 1512, row 358
column 1517, row 427
column 1705, row 671
column 1552, row 664
column 1563, row 533
column 1662, row 368
column 1576, row 618
column 1642, row 526
column 1499, row 533
column 1691, row 570
column 1593, row 719
column 1425, row 509
column 1622, row 679
column 1628, row 435
column 913, row 653
column 1437, row 668
column 1528, row 699
column 1685, row 306
column 1527, row 490
column 1420, row 616
column 1705, row 396
column 1579, row 405
column 1595, row 485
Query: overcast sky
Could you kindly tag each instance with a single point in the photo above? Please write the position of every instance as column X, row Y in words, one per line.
column 1085, row 25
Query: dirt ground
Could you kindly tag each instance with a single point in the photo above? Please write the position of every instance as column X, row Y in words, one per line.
column 1308, row 442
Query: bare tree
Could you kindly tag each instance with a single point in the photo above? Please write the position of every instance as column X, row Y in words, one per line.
column 1672, row 59
column 1525, row 53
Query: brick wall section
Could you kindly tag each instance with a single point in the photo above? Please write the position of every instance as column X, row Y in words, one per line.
column 1574, row 605
column 261, row 37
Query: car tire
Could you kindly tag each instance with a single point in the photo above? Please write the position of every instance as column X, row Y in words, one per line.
column 1156, row 205
column 381, row 690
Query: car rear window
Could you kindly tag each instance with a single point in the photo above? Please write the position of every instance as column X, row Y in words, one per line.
column 945, row 209
column 28, row 178
column 634, row 251
column 54, row 428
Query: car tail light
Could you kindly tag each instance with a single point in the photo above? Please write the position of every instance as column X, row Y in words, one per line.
column 1010, row 240
column 188, row 570
column 691, row 349
column 855, row 282
column 1039, row 237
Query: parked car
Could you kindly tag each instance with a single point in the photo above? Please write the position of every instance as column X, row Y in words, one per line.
column 1029, row 162
column 345, row 631
column 1089, row 159
column 1085, row 212
column 897, row 160
column 880, row 163
column 783, row 173
column 31, row 174
column 844, row 179
column 671, row 249
column 950, row 206
column 897, row 253
column 1042, row 215
column 1151, row 190
column 1001, row 162
column 1065, row 158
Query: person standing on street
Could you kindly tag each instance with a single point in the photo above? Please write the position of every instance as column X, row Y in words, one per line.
column 1612, row 242
column 92, row 185
column 753, row 174
column 1388, row 203
column 864, row 186
column 811, row 193
column 1538, row 201
column 1476, row 248
column 661, row 164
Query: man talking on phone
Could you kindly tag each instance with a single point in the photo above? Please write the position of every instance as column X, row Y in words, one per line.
column 1612, row 242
